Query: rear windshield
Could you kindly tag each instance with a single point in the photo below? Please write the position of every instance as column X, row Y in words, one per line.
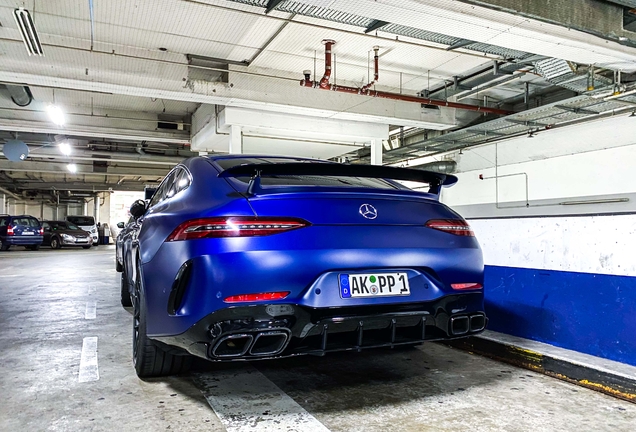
column 290, row 180
column 25, row 221
column 81, row 220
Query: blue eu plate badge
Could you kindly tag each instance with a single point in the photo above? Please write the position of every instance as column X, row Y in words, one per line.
column 345, row 291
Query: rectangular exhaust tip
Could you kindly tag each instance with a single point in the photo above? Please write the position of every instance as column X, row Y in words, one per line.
column 28, row 32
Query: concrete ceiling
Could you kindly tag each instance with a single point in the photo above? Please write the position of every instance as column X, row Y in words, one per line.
column 129, row 85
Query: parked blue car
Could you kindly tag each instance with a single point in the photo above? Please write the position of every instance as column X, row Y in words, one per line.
column 251, row 257
column 23, row 230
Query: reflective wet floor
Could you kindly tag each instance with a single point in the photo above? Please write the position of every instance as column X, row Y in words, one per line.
column 65, row 365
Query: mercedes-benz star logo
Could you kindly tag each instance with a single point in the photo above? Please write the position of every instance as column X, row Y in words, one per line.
column 368, row 211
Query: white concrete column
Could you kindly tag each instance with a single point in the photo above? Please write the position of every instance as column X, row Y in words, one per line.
column 3, row 203
column 96, row 213
column 376, row 151
column 203, row 153
column 85, row 208
column 236, row 140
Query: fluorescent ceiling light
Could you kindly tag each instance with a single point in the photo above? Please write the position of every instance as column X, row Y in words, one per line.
column 65, row 148
column 28, row 32
column 72, row 168
column 56, row 114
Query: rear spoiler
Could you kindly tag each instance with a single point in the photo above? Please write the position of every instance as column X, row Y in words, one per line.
column 256, row 171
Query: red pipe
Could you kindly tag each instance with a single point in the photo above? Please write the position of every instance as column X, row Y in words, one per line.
column 325, row 85
column 324, row 82
column 376, row 74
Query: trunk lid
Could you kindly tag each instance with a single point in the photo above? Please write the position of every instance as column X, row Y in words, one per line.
column 351, row 208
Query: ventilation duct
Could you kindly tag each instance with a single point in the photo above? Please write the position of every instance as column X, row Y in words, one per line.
column 20, row 95
column 28, row 32
column 626, row 3
column 444, row 166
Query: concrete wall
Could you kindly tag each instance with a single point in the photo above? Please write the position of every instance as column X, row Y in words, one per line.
column 48, row 212
column 557, row 271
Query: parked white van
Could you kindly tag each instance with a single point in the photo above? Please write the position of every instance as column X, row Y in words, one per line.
column 87, row 223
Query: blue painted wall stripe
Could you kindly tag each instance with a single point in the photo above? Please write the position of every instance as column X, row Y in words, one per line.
column 590, row 313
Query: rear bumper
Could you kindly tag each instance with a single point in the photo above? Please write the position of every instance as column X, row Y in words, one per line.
column 283, row 330
column 23, row 240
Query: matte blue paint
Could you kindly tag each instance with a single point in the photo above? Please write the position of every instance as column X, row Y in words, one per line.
column 591, row 313
column 306, row 262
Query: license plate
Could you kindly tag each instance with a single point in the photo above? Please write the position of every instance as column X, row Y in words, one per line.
column 27, row 233
column 82, row 240
column 374, row 285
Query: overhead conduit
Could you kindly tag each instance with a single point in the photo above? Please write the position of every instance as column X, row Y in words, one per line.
column 20, row 95
column 324, row 84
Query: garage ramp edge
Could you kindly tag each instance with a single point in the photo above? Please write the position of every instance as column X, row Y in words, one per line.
column 607, row 376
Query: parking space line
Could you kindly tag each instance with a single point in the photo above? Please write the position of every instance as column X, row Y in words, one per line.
column 89, row 369
column 91, row 310
column 246, row 400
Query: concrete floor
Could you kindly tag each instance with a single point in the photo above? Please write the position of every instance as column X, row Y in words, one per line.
column 46, row 311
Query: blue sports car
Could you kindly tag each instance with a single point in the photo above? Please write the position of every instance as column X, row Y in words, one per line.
column 252, row 257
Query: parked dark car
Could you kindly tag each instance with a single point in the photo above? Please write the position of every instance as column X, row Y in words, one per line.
column 123, row 242
column 62, row 233
column 254, row 257
column 87, row 223
column 23, row 230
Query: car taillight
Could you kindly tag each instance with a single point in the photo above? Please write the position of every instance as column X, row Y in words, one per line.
column 9, row 230
column 466, row 286
column 237, row 226
column 243, row 298
column 41, row 231
column 453, row 226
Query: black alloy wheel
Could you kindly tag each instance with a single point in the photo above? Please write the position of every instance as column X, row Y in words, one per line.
column 56, row 243
column 148, row 358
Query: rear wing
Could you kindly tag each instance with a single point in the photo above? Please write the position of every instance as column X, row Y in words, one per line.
column 256, row 171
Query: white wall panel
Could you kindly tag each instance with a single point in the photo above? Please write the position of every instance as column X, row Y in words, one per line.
column 587, row 244
column 600, row 172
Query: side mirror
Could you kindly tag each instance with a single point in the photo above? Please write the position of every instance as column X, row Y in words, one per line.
column 120, row 225
column 138, row 208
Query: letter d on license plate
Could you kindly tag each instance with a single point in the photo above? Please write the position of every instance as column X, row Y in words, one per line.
column 374, row 285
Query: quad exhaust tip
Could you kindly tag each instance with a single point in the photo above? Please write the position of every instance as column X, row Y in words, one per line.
column 269, row 343
column 462, row 325
column 234, row 345
column 258, row 344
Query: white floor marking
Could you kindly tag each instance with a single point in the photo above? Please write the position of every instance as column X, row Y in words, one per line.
column 91, row 310
column 89, row 370
column 246, row 400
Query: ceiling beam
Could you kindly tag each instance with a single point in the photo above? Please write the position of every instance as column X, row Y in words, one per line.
column 17, row 125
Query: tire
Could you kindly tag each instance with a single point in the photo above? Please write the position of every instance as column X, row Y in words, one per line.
column 4, row 246
column 118, row 267
column 34, row 248
column 148, row 358
column 56, row 243
column 125, row 294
